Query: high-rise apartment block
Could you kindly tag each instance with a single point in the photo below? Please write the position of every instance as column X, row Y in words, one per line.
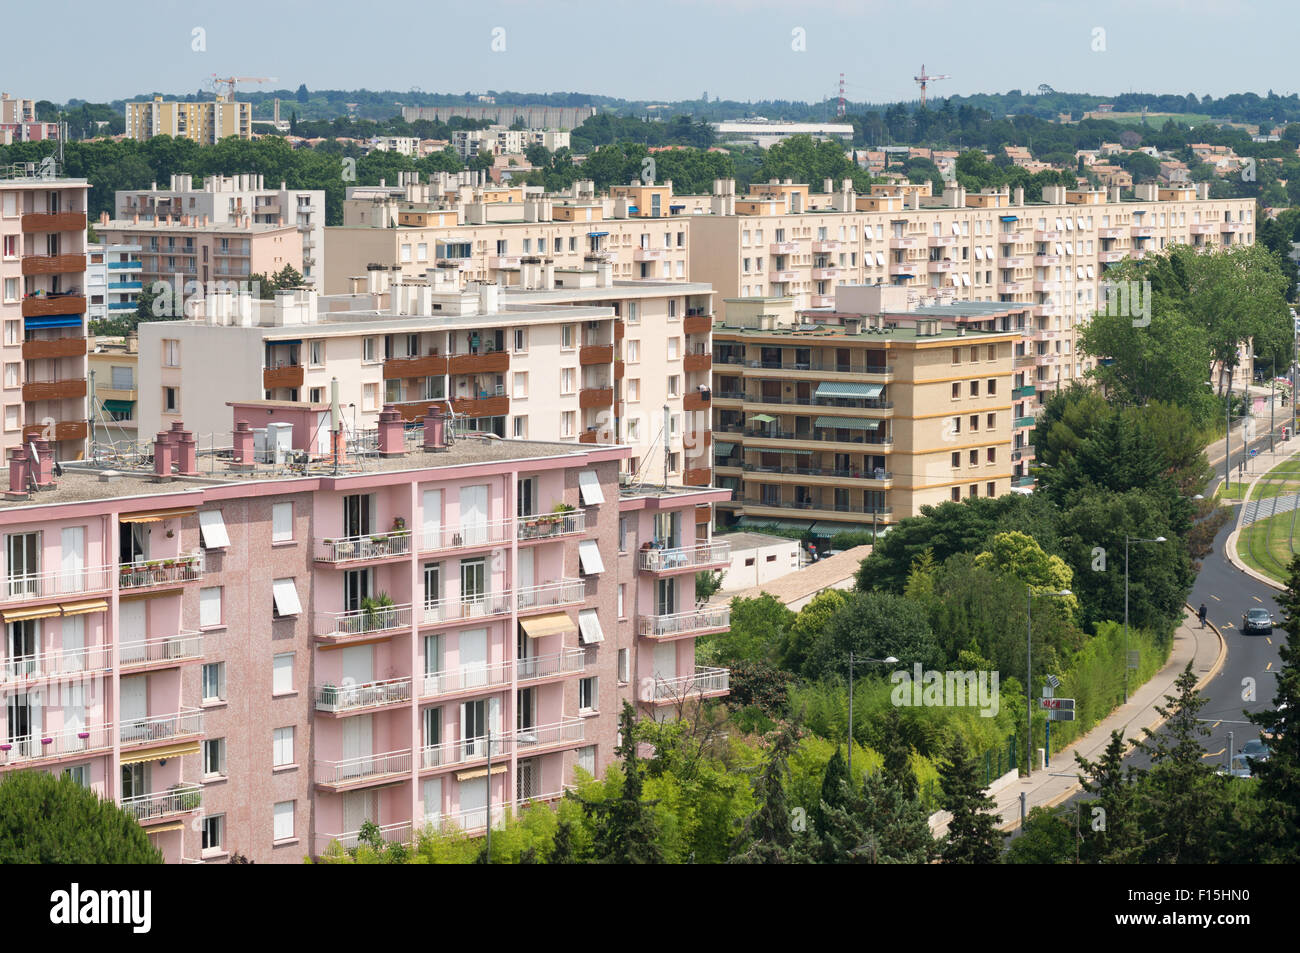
column 202, row 122
column 113, row 283
column 18, row 122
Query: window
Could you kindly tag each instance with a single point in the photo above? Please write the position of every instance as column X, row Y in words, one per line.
column 992, row 386
column 79, row 773
column 284, row 820
column 13, row 416
column 13, row 332
column 991, row 489
column 568, row 380
column 991, row 455
column 210, row 606
column 622, row 589
column 520, row 384
column 672, row 462
column 12, row 378
column 214, row 682
column 624, row 666
column 990, row 422
column 633, row 312
column 282, row 674
column 956, row 494
column 171, row 353
column 566, row 337
column 587, row 699
column 521, row 340
column 674, row 385
column 974, row 490
column 521, row 428
column 368, row 350
column 568, row 421
column 214, row 828
column 956, row 355
column 634, row 388
column 974, row 422
column 633, row 352
column 589, row 557
column 370, row 396
column 672, row 308
column 171, row 400
column 282, row 747
column 956, row 458
column 974, row 457
column 634, row 428
column 317, row 352
column 586, row 759
column 281, row 522
column 993, row 352
column 123, row 378
column 974, row 388
column 673, row 345
column 284, row 596
column 212, row 530
column 214, row 757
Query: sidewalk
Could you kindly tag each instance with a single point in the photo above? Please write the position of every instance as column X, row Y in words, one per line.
column 1262, row 464
column 1204, row 648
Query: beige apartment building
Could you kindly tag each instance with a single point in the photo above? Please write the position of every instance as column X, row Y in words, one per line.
column 567, row 355
column 114, row 373
column 204, row 122
column 43, row 310
column 855, row 418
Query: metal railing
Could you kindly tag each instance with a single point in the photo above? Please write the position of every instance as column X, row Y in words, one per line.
column 545, row 525
column 557, row 663
column 362, row 621
column 368, row 766
column 832, row 366
column 188, row 721
column 26, row 668
column 168, row 648
column 659, row 560
column 460, row 535
column 463, row 749
column 476, row 819
column 859, row 474
column 561, row 732
column 559, row 593
column 55, row 744
column 399, row 833
column 354, row 548
column 187, row 567
column 702, row 681
column 466, row 678
column 58, row 582
column 680, row 623
column 475, row 606
column 340, row 698
column 176, row 800
column 817, row 505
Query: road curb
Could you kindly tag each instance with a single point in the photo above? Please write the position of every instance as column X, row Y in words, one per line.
column 1230, row 545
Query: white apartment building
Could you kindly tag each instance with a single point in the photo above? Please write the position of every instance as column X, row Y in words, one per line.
column 224, row 200
column 113, row 281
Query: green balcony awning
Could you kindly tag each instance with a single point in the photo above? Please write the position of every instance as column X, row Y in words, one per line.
column 119, row 406
column 759, row 522
column 802, row 453
column 833, row 529
column 761, row 419
column 849, row 389
column 848, row 423
column 723, row 449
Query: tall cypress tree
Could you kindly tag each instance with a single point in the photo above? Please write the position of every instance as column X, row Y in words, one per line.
column 973, row 837
column 898, row 754
column 1112, row 835
column 769, row 835
column 626, row 831
column 835, row 790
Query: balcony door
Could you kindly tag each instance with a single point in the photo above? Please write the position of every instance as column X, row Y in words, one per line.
column 23, row 715
column 358, row 664
column 132, row 628
column 431, row 513
column 359, row 807
column 666, row 597
column 358, row 514
column 526, row 575
column 135, row 780
column 474, row 514
column 356, row 588
column 472, row 653
column 21, row 647
column 665, row 660
column 473, row 803
column 477, row 718
column 23, row 563
column 527, row 497
column 133, row 543
column 133, row 707
column 73, row 558
column 528, row 783
column 473, row 580
column 432, row 800
column 358, row 745
column 74, row 641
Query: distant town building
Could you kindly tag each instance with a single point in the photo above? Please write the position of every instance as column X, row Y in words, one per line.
column 533, row 117
column 112, row 280
column 765, row 134
column 18, row 122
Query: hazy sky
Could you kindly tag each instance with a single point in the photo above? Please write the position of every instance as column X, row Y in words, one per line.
column 654, row 49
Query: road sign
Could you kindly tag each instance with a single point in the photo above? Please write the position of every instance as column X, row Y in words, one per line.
column 1061, row 714
column 1253, row 451
column 1133, row 658
column 1057, row 704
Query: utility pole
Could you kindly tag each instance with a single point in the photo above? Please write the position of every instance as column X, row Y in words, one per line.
column 1272, row 399
column 1227, row 439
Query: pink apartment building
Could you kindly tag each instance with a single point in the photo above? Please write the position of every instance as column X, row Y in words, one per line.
column 260, row 657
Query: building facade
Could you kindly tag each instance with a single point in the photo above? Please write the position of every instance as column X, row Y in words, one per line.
column 112, row 280
column 18, row 122
column 114, row 391
column 202, row 122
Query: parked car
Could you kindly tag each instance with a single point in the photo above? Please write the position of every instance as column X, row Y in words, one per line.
column 1257, row 620
column 1256, row 749
column 1240, row 767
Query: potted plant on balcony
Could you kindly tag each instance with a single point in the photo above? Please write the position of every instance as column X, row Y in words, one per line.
column 379, row 544
column 379, row 610
column 188, row 798
column 398, row 535
column 124, row 576
column 329, row 695
column 562, row 514
column 156, row 570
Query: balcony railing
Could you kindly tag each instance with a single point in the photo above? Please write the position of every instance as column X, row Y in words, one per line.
column 180, row 799
column 860, row 473
column 461, row 535
column 547, row 525
column 356, row 548
column 819, row 505
column 703, row 681
column 341, row 698
column 467, row 678
column 188, row 721
column 476, row 819
column 358, row 769
column 548, row 594
column 461, row 750
column 546, row 666
column 566, row 731
column 684, row 557
column 20, row 669
column 479, row 606
column 363, row 621
column 168, row 648
column 187, row 567
column 391, row 833
column 59, row 744
column 681, row 623
column 59, row 582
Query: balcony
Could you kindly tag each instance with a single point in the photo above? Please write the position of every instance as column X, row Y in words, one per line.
column 185, row 646
column 877, row 478
column 392, row 833
column 697, row 400
column 775, row 503
column 680, row 624
column 21, row 587
column 54, row 222
column 186, row 723
column 1026, row 390
column 54, row 349
column 355, row 772
column 684, row 558
column 782, row 276
column 1025, row 453
column 565, row 732
column 1024, row 360
column 17, row 671
column 562, row 593
column 286, row 375
column 543, row 526
column 699, row 476
column 1144, row 231
column 535, row 667
column 825, row 273
column 397, row 368
column 1110, row 233
column 697, row 362
column 46, row 306
column 905, row 268
column 1044, row 260
column 489, row 362
column 1012, row 287
column 355, row 623
column 175, row 801
column 160, row 572
column 481, row 606
column 595, row 354
column 341, row 699
column 497, row 262
column 474, row 678
column 697, row 323
column 467, row 535
column 596, row 397
column 53, row 264
column 702, row 683
column 1023, row 422
column 63, row 430
column 1194, row 229
column 649, row 254
column 451, row 753
column 900, row 242
column 1107, row 257
column 1014, row 261
column 357, row 549
column 1047, row 286
column 823, row 246
column 473, row 407
column 1022, row 481
column 70, row 743
column 54, row 390
column 941, row 241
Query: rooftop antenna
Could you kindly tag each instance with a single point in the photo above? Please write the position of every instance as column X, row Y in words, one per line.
column 336, row 422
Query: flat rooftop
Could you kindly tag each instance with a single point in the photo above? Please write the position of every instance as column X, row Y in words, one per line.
column 154, row 225
column 834, row 332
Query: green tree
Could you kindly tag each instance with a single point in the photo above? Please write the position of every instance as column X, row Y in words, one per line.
column 835, row 791
column 1113, row 836
column 897, row 752
column 49, row 820
column 973, row 837
column 808, row 627
column 769, row 835
column 872, row 625
column 758, row 628
column 881, row 824
column 625, row 828
column 1047, row 838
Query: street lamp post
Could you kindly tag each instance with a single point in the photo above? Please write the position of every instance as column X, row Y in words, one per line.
column 887, row 660
column 1029, row 673
column 1130, row 539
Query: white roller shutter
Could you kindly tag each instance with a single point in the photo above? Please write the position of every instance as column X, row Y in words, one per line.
column 286, row 597
column 589, row 556
column 589, row 486
column 589, row 626
column 213, row 529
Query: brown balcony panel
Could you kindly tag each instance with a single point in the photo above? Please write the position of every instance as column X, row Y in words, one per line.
column 703, row 514
column 53, row 264
column 481, row 406
column 618, row 370
column 54, row 390
column 694, row 400
column 698, row 324
column 619, row 331
column 291, row 375
column 699, row 477
column 596, row 354
column 699, row 439
column 398, row 368
column 56, row 222
column 587, row 436
column 698, row 362
column 596, row 397
column 417, row 410
column 65, row 430
column 58, row 347
column 494, row 362
column 45, row 307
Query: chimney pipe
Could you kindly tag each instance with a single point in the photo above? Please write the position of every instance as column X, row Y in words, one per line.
column 243, row 442
column 18, row 470
column 435, row 433
column 392, row 433
column 163, row 455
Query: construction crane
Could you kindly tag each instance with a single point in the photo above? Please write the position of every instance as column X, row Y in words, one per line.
column 923, row 79
column 230, row 81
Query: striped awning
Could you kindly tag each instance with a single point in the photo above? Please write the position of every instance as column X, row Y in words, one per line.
column 479, row 772
column 760, row 522
column 543, row 625
column 164, row 828
column 802, row 453
column 81, row 608
column 849, row 389
column 724, row 448
column 119, row 406
column 22, row 615
column 154, row 516
column 848, row 423
column 157, row 754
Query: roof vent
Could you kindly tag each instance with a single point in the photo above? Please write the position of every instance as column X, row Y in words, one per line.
column 110, row 476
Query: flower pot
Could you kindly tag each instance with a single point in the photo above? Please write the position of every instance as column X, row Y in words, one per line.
column 83, row 735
